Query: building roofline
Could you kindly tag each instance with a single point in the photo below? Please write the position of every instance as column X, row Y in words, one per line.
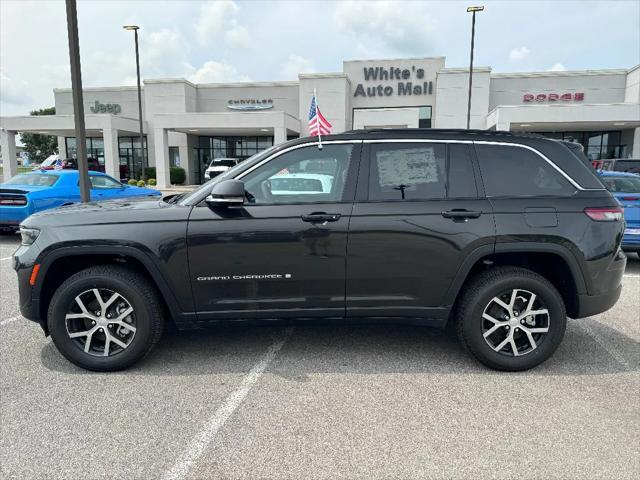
column 284, row 83
column 567, row 73
column 168, row 80
column 464, row 70
column 97, row 89
column 323, row 75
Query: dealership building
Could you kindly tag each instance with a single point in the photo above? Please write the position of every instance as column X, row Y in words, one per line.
column 188, row 124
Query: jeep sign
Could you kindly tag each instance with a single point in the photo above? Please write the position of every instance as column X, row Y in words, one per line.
column 106, row 108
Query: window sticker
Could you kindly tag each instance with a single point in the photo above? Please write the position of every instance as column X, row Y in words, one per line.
column 413, row 166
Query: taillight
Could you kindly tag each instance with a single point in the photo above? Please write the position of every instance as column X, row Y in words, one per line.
column 630, row 199
column 606, row 214
column 13, row 201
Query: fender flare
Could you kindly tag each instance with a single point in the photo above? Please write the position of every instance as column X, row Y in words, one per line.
column 49, row 257
column 515, row 247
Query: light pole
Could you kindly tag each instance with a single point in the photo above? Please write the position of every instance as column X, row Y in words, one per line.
column 135, row 29
column 473, row 11
column 76, row 93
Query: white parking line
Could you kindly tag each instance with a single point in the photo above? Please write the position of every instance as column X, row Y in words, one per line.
column 9, row 320
column 601, row 341
column 631, row 275
column 213, row 425
column 5, row 258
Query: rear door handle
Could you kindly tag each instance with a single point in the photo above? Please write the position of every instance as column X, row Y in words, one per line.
column 461, row 214
column 321, row 217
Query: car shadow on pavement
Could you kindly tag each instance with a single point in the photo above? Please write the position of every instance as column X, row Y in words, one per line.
column 591, row 348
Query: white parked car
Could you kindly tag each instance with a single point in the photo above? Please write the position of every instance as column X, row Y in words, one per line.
column 218, row 166
column 300, row 184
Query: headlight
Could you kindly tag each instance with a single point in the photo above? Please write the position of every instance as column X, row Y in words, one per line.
column 29, row 235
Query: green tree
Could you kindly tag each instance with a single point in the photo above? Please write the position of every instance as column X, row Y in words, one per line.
column 40, row 146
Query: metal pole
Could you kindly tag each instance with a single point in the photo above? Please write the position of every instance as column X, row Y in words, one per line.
column 473, row 33
column 78, row 105
column 143, row 162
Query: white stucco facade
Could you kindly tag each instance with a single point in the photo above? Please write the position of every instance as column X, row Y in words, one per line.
column 188, row 125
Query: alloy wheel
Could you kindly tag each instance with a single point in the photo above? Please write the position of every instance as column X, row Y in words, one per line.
column 515, row 322
column 101, row 322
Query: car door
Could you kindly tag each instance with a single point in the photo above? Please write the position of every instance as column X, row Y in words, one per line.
column 104, row 187
column 419, row 215
column 282, row 254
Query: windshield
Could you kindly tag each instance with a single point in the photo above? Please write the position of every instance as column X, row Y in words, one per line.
column 206, row 187
column 33, row 180
column 622, row 184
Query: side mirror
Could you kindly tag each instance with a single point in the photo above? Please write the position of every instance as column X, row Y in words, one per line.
column 226, row 193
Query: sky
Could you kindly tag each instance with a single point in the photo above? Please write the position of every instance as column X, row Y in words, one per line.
column 226, row 40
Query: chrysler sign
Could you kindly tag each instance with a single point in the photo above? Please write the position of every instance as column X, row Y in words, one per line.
column 247, row 104
column 553, row 97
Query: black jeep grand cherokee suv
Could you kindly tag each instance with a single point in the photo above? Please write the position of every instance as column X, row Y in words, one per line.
column 502, row 235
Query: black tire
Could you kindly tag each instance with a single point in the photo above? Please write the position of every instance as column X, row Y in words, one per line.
column 139, row 293
column 478, row 294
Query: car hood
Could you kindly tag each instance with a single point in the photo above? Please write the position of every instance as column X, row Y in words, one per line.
column 126, row 210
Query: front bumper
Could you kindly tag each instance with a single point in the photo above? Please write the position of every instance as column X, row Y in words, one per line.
column 23, row 261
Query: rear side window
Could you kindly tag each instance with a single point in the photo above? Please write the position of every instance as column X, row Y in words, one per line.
column 405, row 171
column 518, row 172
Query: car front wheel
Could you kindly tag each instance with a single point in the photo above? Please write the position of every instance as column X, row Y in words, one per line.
column 105, row 318
column 511, row 318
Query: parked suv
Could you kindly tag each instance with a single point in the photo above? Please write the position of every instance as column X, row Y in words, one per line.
column 497, row 234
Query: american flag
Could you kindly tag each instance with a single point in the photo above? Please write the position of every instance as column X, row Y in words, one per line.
column 57, row 165
column 318, row 125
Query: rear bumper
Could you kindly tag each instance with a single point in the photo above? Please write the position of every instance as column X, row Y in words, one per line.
column 589, row 305
column 12, row 216
column 631, row 242
column 606, row 290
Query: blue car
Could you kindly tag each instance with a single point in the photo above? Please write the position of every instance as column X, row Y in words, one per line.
column 39, row 190
column 626, row 188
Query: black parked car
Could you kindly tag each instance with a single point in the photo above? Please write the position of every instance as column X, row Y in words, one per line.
column 498, row 234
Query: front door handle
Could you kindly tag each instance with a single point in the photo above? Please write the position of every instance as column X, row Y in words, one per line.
column 321, row 217
column 461, row 214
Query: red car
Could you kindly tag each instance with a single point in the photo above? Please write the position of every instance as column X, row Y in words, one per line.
column 72, row 164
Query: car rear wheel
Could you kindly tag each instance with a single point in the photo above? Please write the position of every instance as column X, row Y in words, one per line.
column 105, row 318
column 511, row 318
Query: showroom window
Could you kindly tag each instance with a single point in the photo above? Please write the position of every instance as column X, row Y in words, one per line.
column 598, row 145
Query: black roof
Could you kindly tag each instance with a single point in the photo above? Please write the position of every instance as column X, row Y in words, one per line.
column 435, row 133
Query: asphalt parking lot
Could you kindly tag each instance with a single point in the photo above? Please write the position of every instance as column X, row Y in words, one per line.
column 322, row 401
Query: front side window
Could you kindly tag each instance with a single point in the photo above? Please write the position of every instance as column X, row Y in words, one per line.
column 405, row 171
column 303, row 175
column 509, row 171
column 102, row 182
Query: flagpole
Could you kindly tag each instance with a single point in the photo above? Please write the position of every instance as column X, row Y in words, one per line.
column 318, row 119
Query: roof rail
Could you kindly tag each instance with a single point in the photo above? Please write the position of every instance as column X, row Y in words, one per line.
column 436, row 130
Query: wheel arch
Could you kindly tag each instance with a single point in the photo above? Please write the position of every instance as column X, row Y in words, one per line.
column 63, row 262
column 554, row 262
